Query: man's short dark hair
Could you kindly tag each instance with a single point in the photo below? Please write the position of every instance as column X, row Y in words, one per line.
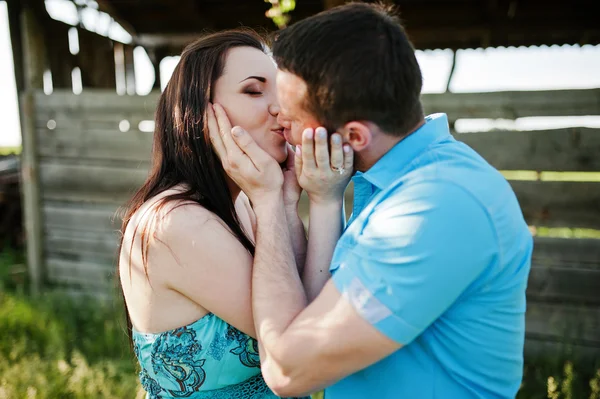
column 358, row 64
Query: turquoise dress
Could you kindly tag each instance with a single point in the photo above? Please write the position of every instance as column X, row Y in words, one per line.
column 205, row 359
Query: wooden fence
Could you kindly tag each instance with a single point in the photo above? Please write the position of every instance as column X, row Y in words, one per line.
column 91, row 155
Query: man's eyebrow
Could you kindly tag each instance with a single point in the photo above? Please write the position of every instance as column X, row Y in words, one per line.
column 259, row 78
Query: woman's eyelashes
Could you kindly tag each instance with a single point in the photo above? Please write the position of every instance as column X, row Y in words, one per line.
column 253, row 91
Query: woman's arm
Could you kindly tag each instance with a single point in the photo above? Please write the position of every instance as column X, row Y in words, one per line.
column 297, row 235
column 325, row 187
column 324, row 230
column 200, row 258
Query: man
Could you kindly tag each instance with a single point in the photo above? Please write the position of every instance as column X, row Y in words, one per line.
column 427, row 291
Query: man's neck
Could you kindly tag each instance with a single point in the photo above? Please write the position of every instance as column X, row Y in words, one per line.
column 382, row 143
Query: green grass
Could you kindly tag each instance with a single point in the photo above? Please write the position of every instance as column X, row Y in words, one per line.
column 52, row 347
column 10, row 150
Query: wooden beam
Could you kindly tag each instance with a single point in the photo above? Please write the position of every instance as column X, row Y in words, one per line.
column 34, row 63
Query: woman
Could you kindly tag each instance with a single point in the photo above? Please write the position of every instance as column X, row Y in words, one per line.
column 188, row 233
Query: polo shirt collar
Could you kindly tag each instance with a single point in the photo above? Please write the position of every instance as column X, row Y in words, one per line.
column 386, row 169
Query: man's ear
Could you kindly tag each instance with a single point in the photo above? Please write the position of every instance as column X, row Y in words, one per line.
column 357, row 134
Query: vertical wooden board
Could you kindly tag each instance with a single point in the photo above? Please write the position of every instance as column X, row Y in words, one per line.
column 61, row 60
column 129, row 69
column 34, row 65
column 96, row 60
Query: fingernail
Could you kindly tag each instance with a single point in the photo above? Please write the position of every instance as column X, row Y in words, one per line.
column 336, row 139
column 237, row 131
column 346, row 148
column 298, row 151
column 308, row 133
column 321, row 132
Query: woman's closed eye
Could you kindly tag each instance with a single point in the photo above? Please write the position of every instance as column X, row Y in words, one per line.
column 253, row 91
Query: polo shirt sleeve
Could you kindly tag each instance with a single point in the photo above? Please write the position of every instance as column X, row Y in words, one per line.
column 418, row 252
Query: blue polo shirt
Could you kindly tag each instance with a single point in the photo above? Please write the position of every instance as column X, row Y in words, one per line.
column 436, row 257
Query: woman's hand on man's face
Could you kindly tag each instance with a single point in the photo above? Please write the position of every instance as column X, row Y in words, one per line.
column 322, row 175
column 249, row 166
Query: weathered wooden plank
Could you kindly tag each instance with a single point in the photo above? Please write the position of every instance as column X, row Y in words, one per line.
column 559, row 203
column 81, row 217
column 101, row 276
column 85, row 246
column 514, row 104
column 543, row 349
column 573, row 149
column 104, row 184
column 509, row 105
column 77, row 293
column 564, row 284
column 566, row 252
column 565, row 323
column 101, row 119
column 99, row 136
column 565, row 270
column 96, row 99
column 109, row 145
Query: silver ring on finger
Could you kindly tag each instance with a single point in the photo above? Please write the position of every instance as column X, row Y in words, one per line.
column 339, row 170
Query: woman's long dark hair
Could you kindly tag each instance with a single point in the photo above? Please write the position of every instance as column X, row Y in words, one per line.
column 182, row 152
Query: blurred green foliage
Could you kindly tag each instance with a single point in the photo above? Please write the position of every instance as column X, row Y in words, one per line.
column 56, row 347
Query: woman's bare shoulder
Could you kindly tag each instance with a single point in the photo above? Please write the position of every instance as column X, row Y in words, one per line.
column 164, row 219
